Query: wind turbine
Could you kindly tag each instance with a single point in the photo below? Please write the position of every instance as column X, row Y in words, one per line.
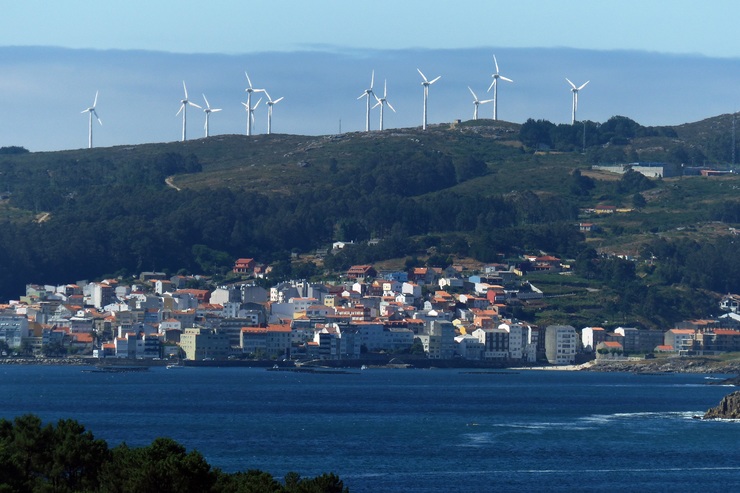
column 270, row 104
column 91, row 111
column 426, row 83
column 494, row 85
column 250, row 115
column 184, row 109
column 208, row 110
column 250, row 110
column 383, row 102
column 366, row 94
column 575, row 90
column 476, row 102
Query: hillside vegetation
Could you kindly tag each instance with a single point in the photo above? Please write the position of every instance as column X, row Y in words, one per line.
column 481, row 190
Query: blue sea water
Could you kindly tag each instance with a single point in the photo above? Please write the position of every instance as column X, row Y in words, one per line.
column 410, row 430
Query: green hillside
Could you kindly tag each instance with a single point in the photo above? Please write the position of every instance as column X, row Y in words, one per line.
column 479, row 190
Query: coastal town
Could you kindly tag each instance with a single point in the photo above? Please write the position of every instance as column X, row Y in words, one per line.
column 369, row 315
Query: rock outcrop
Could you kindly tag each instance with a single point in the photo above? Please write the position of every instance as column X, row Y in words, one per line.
column 729, row 408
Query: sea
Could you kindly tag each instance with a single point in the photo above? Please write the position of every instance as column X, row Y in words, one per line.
column 410, row 430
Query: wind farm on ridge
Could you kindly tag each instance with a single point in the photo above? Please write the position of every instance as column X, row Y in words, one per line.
column 380, row 102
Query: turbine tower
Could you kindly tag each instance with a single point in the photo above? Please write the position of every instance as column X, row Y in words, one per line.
column 366, row 94
column 476, row 102
column 494, row 85
column 184, row 110
column 250, row 115
column 270, row 104
column 575, row 90
column 426, row 83
column 250, row 90
column 383, row 102
column 91, row 111
column 208, row 110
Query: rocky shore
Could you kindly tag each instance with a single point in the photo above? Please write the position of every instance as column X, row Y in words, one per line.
column 670, row 365
column 728, row 408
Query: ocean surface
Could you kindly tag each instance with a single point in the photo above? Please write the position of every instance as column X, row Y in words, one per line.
column 410, row 430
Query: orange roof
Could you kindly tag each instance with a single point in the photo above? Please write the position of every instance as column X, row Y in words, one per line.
column 279, row 328
column 613, row 344
column 82, row 337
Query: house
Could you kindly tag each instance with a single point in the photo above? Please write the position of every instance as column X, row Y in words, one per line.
column 244, row 266
column 730, row 303
column 609, row 350
column 361, row 272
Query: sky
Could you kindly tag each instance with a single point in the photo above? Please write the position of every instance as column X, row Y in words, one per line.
column 655, row 62
column 238, row 26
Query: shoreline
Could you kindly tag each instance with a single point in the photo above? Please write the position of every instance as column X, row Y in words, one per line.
column 702, row 365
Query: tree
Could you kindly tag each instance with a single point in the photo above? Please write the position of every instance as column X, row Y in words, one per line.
column 162, row 467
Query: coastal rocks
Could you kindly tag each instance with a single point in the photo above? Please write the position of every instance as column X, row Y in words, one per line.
column 728, row 408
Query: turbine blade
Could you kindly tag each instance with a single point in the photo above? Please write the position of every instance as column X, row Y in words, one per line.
column 569, row 82
column 435, row 80
column 248, row 81
column 471, row 92
column 193, row 104
column 278, row 100
column 486, row 101
column 372, row 79
column 246, row 107
column 185, row 89
column 391, row 107
column 208, row 106
column 180, row 110
column 96, row 116
column 95, row 102
column 376, row 104
column 584, row 85
column 385, row 88
column 215, row 110
column 495, row 63
column 505, row 78
column 422, row 75
column 491, row 86
column 258, row 103
column 363, row 95
column 267, row 94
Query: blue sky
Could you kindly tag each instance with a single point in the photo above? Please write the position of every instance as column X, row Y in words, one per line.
column 239, row 26
column 656, row 62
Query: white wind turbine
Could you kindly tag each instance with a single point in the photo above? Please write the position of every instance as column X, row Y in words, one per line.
column 383, row 102
column 250, row 114
column 366, row 94
column 426, row 83
column 270, row 104
column 477, row 102
column 208, row 110
column 250, row 109
column 184, row 110
column 575, row 90
column 494, row 85
column 91, row 111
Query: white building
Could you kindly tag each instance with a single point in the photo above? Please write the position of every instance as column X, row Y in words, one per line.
column 517, row 337
column 561, row 342
column 13, row 328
